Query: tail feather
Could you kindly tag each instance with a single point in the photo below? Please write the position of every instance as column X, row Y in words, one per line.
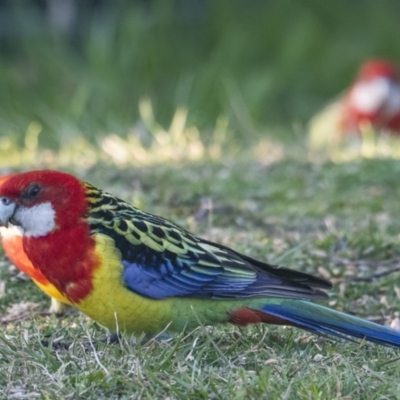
column 323, row 320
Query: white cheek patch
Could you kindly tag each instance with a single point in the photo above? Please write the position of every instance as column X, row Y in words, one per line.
column 368, row 97
column 36, row 221
column 378, row 94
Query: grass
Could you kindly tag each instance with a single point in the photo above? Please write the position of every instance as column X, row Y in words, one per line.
column 205, row 125
column 338, row 219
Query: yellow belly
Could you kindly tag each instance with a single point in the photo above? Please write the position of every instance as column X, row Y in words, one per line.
column 119, row 309
column 111, row 304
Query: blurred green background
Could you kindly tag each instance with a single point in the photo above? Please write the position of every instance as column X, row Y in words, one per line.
column 81, row 68
column 197, row 110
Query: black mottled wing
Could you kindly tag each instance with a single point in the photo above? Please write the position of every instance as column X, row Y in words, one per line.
column 162, row 260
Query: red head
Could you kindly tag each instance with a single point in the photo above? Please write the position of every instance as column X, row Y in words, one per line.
column 49, row 209
column 3, row 178
column 373, row 99
column 377, row 68
column 42, row 201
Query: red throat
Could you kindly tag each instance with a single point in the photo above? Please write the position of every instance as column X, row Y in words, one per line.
column 67, row 258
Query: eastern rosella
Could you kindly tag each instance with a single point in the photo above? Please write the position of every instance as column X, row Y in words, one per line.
column 373, row 100
column 136, row 272
column 11, row 240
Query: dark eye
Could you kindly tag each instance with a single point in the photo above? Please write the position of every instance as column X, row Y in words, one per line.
column 32, row 191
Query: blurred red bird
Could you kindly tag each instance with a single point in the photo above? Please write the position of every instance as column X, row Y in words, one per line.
column 373, row 100
column 11, row 240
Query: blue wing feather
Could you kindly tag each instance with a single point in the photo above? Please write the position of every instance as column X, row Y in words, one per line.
column 162, row 260
column 184, row 277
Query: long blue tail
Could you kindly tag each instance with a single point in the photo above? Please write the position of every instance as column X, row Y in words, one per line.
column 323, row 320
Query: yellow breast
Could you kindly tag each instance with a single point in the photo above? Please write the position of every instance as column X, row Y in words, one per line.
column 119, row 309
column 52, row 291
column 111, row 304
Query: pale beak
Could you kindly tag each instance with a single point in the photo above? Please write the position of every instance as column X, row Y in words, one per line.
column 7, row 209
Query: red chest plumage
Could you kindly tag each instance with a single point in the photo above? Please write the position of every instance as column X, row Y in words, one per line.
column 67, row 258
